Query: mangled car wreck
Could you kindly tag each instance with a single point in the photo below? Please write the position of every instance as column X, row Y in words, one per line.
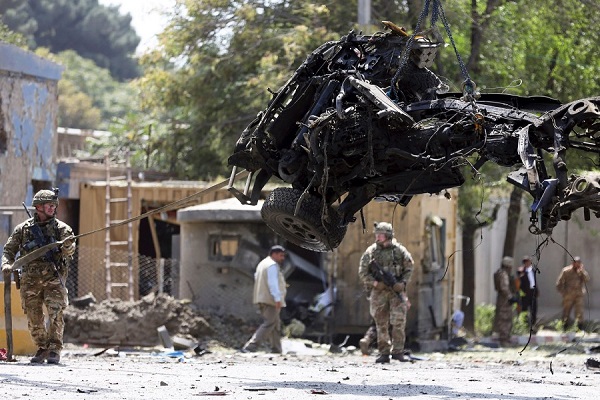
column 364, row 118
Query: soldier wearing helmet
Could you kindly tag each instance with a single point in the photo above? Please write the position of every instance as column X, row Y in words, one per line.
column 42, row 282
column 388, row 305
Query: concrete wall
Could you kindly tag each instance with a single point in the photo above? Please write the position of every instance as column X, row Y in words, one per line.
column 218, row 285
column 28, row 119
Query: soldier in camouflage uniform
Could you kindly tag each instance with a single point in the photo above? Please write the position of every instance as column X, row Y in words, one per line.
column 40, row 283
column 506, row 296
column 388, row 305
column 369, row 339
column 571, row 285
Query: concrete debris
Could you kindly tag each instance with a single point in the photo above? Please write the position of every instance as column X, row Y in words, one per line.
column 182, row 343
column 83, row 301
column 592, row 363
column 164, row 337
column 86, row 391
column 115, row 322
column 212, row 394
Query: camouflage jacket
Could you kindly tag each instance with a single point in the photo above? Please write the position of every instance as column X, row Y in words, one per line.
column 394, row 259
column 22, row 241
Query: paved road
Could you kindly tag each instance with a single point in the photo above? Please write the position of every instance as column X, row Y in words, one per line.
column 302, row 373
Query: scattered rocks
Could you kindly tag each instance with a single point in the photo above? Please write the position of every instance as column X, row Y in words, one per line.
column 117, row 322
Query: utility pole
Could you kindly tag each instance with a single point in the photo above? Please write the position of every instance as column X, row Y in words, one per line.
column 364, row 14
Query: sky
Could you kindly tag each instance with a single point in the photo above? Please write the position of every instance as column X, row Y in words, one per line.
column 146, row 21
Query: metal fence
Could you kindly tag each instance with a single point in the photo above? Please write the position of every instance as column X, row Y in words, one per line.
column 87, row 274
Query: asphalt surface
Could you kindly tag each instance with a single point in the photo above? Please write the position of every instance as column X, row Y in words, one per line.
column 305, row 373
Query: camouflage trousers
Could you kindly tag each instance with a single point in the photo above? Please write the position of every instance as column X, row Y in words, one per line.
column 503, row 318
column 371, row 334
column 389, row 311
column 41, row 287
column 570, row 302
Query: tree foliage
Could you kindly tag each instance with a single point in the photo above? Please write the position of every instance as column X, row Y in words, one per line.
column 217, row 58
column 226, row 56
column 8, row 36
column 89, row 97
column 94, row 31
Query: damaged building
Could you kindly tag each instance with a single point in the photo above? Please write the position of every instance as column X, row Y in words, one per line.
column 324, row 289
column 204, row 251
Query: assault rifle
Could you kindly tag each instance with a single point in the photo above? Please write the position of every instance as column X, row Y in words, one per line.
column 40, row 241
column 383, row 276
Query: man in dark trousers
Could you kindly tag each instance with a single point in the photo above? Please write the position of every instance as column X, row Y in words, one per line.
column 529, row 290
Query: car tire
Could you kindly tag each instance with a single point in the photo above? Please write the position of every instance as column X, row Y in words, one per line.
column 305, row 229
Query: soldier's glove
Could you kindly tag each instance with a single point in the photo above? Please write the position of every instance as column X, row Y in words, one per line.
column 399, row 287
column 68, row 246
column 7, row 269
column 377, row 285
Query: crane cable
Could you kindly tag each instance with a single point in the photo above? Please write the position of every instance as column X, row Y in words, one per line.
column 437, row 12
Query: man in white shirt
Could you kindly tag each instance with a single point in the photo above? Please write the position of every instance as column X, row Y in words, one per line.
column 269, row 294
column 529, row 291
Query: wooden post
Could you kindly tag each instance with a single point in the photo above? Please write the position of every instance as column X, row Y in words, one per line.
column 8, row 315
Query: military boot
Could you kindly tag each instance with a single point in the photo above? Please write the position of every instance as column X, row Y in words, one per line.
column 400, row 357
column 364, row 346
column 54, row 357
column 383, row 359
column 40, row 356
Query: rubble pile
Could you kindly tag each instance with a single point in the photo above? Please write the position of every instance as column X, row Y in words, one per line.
column 118, row 322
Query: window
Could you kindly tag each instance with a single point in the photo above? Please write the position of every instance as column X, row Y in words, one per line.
column 436, row 227
column 223, row 247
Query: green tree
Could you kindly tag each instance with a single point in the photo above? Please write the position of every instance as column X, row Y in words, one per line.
column 75, row 109
column 512, row 49
column 84, row 85
column 96, row 32
column 227, row 55
column 8, row 36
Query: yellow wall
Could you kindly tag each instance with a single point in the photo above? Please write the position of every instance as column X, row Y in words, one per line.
column 22, row 342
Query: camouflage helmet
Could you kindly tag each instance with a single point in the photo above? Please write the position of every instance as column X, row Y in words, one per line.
column 507, row 262
column 45, row 196
column 384, row 227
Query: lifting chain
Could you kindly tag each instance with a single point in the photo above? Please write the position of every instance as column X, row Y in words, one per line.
column 470, row 93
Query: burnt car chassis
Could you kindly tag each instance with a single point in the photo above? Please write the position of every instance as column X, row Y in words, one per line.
column 361, row 119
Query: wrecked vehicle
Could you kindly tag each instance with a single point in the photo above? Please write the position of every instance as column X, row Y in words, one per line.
column 364, row 118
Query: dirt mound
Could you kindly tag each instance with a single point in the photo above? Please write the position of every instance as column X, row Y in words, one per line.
column 118, row 322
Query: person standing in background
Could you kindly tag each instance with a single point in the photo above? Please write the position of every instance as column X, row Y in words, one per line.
column 571, row 286
column 505, row 298
column 269, row 295
column 529, row 291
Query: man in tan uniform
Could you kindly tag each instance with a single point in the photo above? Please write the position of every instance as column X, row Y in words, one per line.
column 571, row 285
column 269, row 294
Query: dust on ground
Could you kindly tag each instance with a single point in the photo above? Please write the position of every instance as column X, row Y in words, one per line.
column 303, row 371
